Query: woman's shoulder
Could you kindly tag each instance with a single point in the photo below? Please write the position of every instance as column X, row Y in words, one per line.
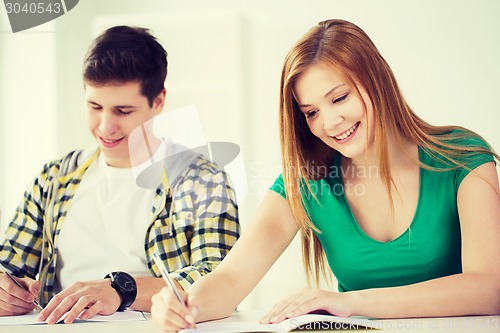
column 463, row 137
column 459, row 151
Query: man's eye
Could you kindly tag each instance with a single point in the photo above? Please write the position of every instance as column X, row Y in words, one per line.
column 124, row 112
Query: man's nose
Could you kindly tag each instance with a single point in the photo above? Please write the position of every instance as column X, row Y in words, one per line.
column 108, row 125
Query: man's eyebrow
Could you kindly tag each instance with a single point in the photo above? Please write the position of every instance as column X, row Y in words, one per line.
column 115, row 106
column 325, row 96
column 124, row 106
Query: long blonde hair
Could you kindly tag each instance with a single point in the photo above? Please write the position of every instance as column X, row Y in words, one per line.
column 346, row 48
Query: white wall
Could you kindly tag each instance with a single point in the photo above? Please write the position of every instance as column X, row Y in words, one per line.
column 28, row 114
column 226, row 57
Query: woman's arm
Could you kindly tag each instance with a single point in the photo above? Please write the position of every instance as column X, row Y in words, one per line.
column 217, row 294
column 476, row 291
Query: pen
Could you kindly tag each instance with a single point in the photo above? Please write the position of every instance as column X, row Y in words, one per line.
column 167, row 278
column 18, row 284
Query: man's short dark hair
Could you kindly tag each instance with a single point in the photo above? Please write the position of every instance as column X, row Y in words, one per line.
column 127, row 54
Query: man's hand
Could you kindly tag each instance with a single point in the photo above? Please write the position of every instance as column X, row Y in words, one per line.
column 14, row 300
column 82, row 300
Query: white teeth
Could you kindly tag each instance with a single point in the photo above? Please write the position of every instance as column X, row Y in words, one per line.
column 109, row 141
column 347, row 133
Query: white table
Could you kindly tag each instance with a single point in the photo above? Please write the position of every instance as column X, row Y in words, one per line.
column 475, row 324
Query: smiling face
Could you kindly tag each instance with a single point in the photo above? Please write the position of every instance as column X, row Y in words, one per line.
column 335, row 112
column 113, row 112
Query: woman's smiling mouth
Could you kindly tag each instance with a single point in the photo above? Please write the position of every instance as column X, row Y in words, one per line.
column 343, row 136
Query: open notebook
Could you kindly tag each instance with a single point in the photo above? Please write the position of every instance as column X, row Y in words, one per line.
column 30, row 318
column 305, row 322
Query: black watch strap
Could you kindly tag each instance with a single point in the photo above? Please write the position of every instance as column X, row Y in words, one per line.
column 125, row 286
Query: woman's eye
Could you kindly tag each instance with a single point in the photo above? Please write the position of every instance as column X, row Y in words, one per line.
column 311, row 113
column 340, row 99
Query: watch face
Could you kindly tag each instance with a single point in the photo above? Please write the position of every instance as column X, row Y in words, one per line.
column 125, row 281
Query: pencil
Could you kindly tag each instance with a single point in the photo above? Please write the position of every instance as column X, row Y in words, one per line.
column 167, row 278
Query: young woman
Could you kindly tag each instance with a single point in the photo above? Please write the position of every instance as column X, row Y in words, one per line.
column 406, row 214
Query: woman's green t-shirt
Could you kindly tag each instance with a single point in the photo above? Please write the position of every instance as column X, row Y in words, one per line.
column 430, row 248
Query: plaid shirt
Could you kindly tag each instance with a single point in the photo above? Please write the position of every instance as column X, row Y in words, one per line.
column 194, row 222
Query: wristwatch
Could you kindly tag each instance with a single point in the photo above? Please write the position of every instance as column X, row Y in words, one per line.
column 125, row 286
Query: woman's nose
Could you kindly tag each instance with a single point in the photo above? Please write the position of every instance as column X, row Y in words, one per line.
column 332, row 120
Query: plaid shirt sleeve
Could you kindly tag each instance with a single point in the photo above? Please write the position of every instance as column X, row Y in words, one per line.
column 21, row 250
column 204, row 225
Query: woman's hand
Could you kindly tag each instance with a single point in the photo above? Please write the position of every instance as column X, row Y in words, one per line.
column 14, row 300
column 170, row 314
column 308, row 300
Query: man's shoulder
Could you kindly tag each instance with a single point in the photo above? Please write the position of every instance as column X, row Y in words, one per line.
column 201, row 168
column 67, row 163
column 202, row 164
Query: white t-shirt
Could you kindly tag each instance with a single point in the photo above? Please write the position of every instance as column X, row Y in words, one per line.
column 105, row 227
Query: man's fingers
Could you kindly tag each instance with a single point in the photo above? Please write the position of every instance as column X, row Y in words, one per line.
column 64, row 306
column 49, row 308
column 13, row 301
column 92, row 310
column 80, row 310
column 11, row 288
column 33, row 286
column 9, row 309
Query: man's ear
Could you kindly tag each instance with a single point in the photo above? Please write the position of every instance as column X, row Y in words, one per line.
column 159, row 100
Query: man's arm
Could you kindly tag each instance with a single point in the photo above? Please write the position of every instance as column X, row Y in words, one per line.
column 20, row 252
column 201, row 243
column 215, row 227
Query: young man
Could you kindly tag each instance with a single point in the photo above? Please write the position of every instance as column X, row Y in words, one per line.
column 84, row 235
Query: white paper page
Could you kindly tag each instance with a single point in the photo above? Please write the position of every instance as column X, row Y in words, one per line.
column 234, row 327
column 321, row 322
column 127, row 315
column 327, row 322
column 30, row 318
column 27, row 319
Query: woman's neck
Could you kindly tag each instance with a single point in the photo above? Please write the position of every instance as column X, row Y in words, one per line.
column 400, row 156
